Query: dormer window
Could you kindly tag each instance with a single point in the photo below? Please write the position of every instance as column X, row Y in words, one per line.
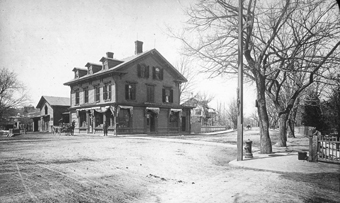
column 89, row 71
column 105, row 65
column 76, row 74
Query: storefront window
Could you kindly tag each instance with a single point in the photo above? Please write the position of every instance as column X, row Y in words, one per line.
column 109, row 118
column 174, row 119
column 82, row 119
column 98, row 119
column 123, row 120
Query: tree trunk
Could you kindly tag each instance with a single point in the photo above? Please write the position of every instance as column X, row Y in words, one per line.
column 292, row 118
column 291, row 126
column 265, row 145
column 282, row 130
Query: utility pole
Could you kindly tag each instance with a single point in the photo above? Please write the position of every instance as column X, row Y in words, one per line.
column 240, row 85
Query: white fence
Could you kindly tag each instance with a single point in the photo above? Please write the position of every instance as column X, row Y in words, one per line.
column 208, row 129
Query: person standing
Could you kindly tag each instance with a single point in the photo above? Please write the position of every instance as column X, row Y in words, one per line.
column 72, row 127
column 105, row 126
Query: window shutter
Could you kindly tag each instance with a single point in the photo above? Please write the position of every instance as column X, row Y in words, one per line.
column 133, row 92
column 152, row 94
column 161, row 74
column 105, row 92
column 147, row 72
column 110, row 95
column 148, row 93
column 153, row 72
column 138, row 70
column 171, row 99
column 126, row 91
column 163, row 95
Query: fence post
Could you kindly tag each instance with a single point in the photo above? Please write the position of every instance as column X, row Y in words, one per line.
column 313, row 147
column 311, row 154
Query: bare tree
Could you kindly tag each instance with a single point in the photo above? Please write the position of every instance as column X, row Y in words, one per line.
column 272, row 114
column 232, row 112
column 279, row 36
column 12, row 92
column 185, row 67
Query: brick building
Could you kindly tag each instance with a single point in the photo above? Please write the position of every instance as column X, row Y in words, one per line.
column 52, row 110
column 138, row 94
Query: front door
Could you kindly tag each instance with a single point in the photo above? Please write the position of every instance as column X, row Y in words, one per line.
column 151, row 122
column 184, row 123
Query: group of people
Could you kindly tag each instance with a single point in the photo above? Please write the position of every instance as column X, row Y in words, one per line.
column 105, row 127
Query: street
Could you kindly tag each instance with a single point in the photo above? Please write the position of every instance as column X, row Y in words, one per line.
column 53, row 168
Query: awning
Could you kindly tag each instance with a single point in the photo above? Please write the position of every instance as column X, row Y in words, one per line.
column 112, row 108
column 102, row 109
column 176, row 111
column 87, row 109
column 98, row 109
column 125, row 107
column 153, row 109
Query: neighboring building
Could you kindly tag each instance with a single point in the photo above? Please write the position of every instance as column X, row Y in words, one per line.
column 201, row 114
column 53, row 110
column 139, row 94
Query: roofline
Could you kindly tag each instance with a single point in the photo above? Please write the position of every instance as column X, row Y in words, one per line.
column 98, row 74
column 84, row 78
column 89, row 63
column 49, row 103
column 111, row 59
column 84, row 69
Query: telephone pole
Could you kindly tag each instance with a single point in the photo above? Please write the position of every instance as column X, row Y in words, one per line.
column 240, row 85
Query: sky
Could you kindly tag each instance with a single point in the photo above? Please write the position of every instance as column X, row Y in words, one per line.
column 43, row 40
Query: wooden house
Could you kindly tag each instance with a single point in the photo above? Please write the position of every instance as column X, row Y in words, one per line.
column 139, row 95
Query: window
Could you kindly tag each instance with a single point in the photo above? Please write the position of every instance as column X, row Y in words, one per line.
column 98, row 119
column 109, row 117
column 157, row 73
column 86, row 95
column 150, row 93
column 143, row 71
column 123, row 120
column 97, row 93
column 130, row 91
column 82, row 119
column 174, row 119
column 167, row 95
column 198, row 111
column 89, row 70
column 46, row 110
column 107, row 91
column 77, row 97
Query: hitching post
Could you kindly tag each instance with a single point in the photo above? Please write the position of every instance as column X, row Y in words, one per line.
column 240, row 85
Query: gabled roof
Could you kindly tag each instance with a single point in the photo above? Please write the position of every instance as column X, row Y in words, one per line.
column 192, row 102
column 126, row 61
column 54, row 101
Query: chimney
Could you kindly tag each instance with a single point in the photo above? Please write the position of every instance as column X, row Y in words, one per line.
column 138, row 47
column 109, row 55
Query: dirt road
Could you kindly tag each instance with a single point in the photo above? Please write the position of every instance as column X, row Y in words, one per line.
column 48, row 168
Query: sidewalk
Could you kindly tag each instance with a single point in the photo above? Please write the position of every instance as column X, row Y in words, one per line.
column 283, row 159
column 285, row 162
